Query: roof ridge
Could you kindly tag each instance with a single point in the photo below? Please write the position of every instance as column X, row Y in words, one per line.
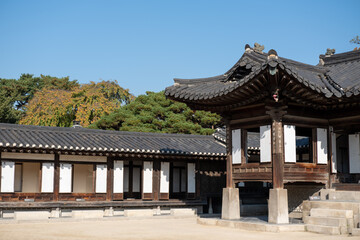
column 98, row 131
column 340, row 57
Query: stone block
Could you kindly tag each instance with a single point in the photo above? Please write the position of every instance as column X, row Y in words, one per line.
column 323, row 229
column 278, row 206
column 55, row 213
column 31, row 215
column 86, row 214
column 109, row 212
column 182, row 212
column 139, row 213
column 230, row 204
column 335, row 213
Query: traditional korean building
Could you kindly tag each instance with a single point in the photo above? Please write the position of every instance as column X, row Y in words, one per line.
column 52, row 167
column 307, row 119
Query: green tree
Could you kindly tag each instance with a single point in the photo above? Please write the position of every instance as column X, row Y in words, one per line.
column 86, row 103
column 16, row 93
column 154, row 113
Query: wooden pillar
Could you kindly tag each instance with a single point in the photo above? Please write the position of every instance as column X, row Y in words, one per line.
column 278, row 200
column 56, row 176
column 229, row 180
column 198, row 179
column 277, row 147
column 156, row 180
column 110, row 179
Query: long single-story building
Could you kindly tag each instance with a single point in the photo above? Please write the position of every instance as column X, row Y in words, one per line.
column 52, row 167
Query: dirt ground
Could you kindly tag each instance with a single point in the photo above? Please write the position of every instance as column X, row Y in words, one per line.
column 155, row 228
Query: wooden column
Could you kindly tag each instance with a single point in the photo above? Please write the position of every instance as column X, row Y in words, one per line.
column 156, row 180
column 198, row 179
column 229, row 179
column 277, row 147
column 56, row 176
column 110, row 179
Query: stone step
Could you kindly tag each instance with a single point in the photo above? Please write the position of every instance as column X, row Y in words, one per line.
column 336, row 213
column 326, row 221
column 328, row 204
column 323, row 229
column 355, row 232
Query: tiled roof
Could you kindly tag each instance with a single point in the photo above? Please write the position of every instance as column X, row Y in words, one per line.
column 82, row 139
column 336, row 77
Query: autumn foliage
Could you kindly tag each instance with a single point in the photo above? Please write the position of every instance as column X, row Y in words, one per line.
column 86, row 103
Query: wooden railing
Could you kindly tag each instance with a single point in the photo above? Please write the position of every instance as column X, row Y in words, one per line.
column 298, row 172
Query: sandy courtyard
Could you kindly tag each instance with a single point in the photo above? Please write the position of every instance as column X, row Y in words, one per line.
column 155, row 228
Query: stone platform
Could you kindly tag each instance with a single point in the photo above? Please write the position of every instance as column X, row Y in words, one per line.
column 252, row 224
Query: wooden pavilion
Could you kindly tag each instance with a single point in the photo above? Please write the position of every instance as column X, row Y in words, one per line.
column 307, row 119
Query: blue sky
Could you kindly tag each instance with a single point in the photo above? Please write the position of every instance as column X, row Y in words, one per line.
column 145, row 44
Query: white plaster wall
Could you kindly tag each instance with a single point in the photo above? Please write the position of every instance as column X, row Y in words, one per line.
column 354, row 153
column 236, row 146
column 83, row 178
column 322, row 146
column 290, row 143
column 265, row 143
column 334, row 155
column 47, row 177
column 31, row 177
column 101, row 178
column 148, row 177
column 7, row 176
column 191, row 178
column 118, row 177
column 164, row 177
column 65, row 178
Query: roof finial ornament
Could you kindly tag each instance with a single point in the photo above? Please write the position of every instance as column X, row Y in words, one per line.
column 248, row 48
column 258, row 47
column 330, row 52
column 272, row 54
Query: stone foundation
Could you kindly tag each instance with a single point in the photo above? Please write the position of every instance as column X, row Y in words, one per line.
column 278, row 206
column 230, row 204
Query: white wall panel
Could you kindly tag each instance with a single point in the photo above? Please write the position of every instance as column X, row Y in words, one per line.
column 47, row 177
column 7, row 176
column 354, row 153
column 236, row 146
column 148, row 177
column 265, row 143
column 101, row 178
column 322, row 146
column 118, row 177
column 164, row 177
column 65, row 178
column 290, row 143
column 191, row 178
column 334, row 155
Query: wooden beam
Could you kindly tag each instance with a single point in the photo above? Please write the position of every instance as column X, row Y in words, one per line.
column 277, row 160
column 229, row 182
column 110, row 179
column 56, row 176
column 156, row 179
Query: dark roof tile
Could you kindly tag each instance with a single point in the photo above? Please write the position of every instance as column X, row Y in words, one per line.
column 99, row 140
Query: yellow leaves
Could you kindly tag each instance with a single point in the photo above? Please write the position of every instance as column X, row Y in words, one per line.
column 87, row 103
